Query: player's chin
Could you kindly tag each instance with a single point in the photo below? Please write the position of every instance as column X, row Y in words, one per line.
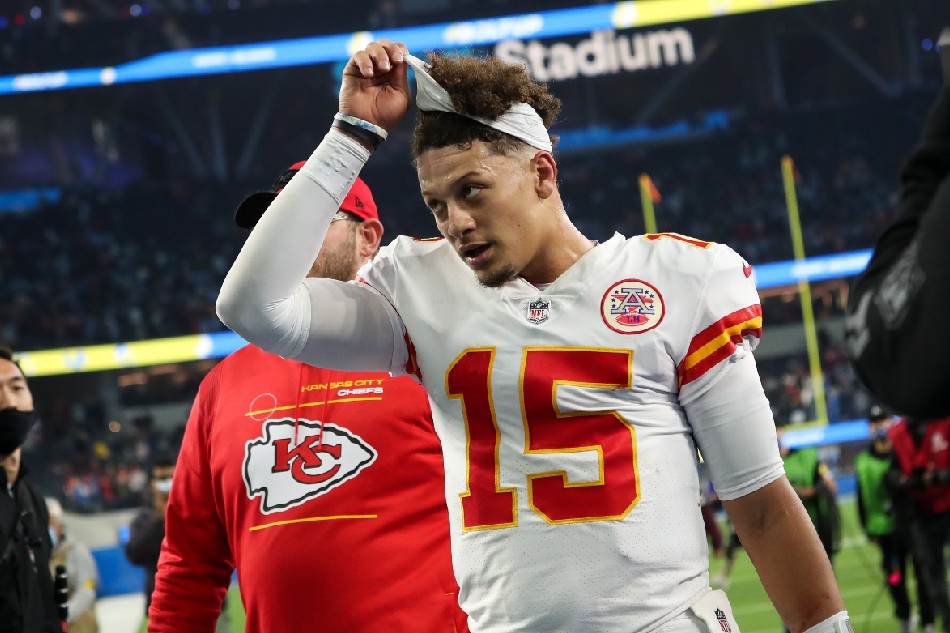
column 493, row 277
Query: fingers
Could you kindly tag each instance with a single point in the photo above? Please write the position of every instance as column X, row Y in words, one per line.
column 379, row 56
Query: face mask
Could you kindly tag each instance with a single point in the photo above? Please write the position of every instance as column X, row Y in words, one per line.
column 15, row 425
column 54, row 537
column 163, row 485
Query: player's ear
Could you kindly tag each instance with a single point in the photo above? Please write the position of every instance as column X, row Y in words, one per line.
column 545, row 170
column 369, row 235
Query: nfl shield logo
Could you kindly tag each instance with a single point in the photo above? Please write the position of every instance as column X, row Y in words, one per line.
column 538, row 311
column 723, row 621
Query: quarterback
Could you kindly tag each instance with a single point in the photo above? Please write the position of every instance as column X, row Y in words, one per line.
column 571, row 382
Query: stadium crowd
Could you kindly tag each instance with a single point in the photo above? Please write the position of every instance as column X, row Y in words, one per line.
column 96, row 276
column 89, row 254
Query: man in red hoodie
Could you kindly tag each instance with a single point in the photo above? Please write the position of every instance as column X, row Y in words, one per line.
column 324, row 489
column 921, row 474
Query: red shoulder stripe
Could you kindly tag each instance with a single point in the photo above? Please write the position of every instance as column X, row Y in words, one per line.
column 718, row 341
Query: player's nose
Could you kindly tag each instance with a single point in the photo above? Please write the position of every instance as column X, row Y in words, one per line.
column 458, row 221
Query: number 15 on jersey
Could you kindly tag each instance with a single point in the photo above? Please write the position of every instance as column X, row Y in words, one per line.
column 488, row 505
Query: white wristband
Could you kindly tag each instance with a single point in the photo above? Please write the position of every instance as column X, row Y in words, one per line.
column 360, row 123
column 838, row 623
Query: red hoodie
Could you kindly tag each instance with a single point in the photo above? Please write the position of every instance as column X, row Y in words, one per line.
column 933, row 452
column 324, row 489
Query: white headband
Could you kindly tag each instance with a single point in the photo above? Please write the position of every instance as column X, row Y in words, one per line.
column 521, row 120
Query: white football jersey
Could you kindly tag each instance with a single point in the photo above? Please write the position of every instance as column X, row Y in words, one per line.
column 571, row 473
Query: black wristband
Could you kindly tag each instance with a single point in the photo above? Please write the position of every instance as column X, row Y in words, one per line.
column 364, row 135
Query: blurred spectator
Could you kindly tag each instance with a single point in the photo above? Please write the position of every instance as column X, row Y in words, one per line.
column 81, row 573
column 709, row 502
column 722, row 579
column 880, row 522
column 921, row 471
column 83, row 491
column 148, row 527
column 816, row 487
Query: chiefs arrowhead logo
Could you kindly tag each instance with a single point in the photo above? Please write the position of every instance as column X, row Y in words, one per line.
column 746, row 268
column 286, row 474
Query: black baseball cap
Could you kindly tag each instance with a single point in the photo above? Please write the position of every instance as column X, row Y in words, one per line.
column 358, row 201
column 878, row 413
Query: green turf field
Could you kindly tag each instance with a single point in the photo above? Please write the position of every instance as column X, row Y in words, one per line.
column 857, row 568
column 859, row 576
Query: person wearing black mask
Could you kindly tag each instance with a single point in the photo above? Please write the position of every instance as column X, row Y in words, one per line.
column 148, row 527
column 26, row 588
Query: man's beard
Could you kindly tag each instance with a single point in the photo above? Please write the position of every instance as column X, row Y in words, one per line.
column 341, row 263
column 499, row 277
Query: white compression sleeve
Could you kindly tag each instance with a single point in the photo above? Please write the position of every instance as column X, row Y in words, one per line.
column 267, row 300
column 733, row 426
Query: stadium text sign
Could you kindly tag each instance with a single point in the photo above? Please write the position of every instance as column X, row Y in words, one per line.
column 603, row 53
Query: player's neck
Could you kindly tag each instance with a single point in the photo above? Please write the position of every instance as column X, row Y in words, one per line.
column 566, row 245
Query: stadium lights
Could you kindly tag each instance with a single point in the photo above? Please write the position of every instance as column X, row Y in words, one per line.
column 332, row 48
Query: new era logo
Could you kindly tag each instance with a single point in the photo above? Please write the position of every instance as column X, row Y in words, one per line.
column 723, row 621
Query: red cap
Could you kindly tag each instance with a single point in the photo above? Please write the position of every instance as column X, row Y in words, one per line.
column 358, row 201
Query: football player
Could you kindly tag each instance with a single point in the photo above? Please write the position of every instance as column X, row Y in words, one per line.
column 568, row 379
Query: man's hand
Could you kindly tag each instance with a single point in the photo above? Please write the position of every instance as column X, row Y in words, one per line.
column 944, row 44
column 375, row 84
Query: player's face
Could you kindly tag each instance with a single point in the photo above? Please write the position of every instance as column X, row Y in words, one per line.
column 487, row 207
column 339, row 258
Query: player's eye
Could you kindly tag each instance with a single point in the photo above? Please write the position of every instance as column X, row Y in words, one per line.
column 470, row 191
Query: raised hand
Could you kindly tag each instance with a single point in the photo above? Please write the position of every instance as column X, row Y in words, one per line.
column 375, row 84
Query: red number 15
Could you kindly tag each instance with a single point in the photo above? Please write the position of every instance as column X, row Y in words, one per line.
column 485, row 504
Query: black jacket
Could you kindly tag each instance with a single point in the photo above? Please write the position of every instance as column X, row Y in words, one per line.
column 26, row 588
column 145, row 544
column 898, row 307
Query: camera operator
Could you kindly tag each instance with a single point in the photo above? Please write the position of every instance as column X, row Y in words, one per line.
column 897, row 306
column 26, row 588
column 921, row 471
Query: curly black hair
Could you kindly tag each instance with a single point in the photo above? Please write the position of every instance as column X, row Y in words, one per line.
column 483, row 87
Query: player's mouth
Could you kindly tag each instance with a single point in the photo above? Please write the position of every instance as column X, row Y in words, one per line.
column 476, row 255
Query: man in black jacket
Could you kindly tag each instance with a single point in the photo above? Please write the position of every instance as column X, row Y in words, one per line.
column 148, row 527
column 898, row 307
column 26, row 589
